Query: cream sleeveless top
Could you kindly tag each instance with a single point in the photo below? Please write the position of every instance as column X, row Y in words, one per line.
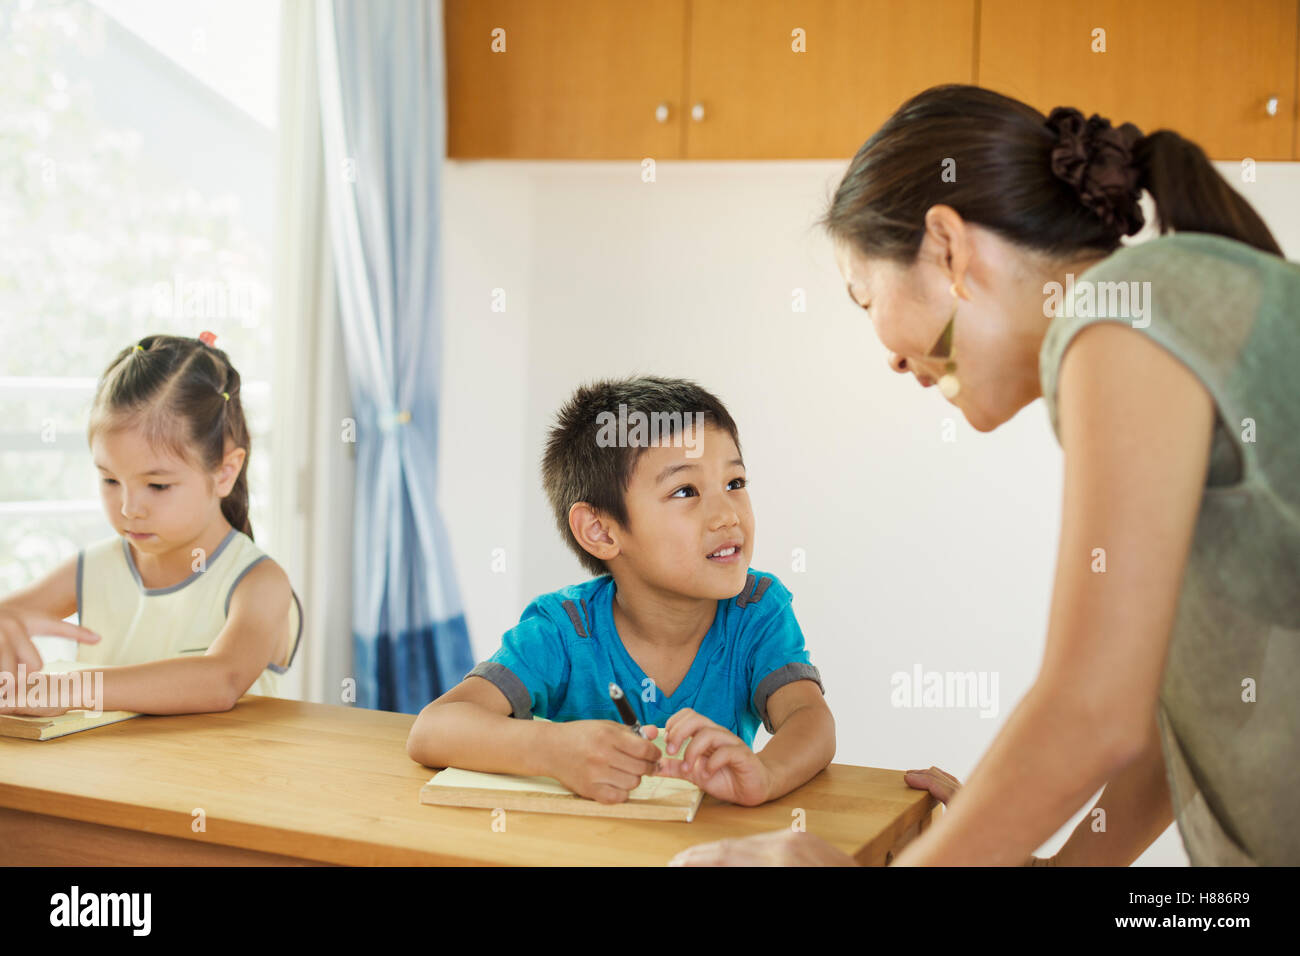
column 137, row 624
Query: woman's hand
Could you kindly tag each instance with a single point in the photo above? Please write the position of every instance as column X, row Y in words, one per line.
column 780, row 848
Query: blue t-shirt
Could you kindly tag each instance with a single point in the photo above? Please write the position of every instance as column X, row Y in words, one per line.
column 559, row 661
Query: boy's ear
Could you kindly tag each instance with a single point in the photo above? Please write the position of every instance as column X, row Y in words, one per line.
column 229, row 471
column 592, row 531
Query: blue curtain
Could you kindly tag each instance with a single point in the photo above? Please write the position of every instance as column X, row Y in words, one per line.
column 383, row 130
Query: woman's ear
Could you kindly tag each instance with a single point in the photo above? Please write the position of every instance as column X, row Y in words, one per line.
column 229, row 470
column 950, row 241
column 592, row 531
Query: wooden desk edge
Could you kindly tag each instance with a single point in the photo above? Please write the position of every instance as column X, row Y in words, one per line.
column 101, row 821
column 881, row 850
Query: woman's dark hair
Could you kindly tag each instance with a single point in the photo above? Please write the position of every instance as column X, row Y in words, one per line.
column 998, row 156
column 174, row 389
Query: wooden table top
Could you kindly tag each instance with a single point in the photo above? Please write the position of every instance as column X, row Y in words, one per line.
column 334, row 784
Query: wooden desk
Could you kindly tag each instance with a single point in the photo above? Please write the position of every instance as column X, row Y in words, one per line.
column 285, row 782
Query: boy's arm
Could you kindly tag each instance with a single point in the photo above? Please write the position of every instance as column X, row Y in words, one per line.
column 803, row 743
column 470, row 727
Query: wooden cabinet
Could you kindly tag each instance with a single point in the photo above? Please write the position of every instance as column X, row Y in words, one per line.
column 576, row 79
column 585, row 79
column 802, row 79
column 860, row 59
column 1204, row 68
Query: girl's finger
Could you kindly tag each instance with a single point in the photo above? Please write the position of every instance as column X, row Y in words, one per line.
column 38, row 624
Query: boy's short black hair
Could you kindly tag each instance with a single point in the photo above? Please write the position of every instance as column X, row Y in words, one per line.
column 578, row 467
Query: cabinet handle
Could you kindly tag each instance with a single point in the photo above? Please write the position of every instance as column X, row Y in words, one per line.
column 697, row 112
column 1271, row 106
column 661, row 113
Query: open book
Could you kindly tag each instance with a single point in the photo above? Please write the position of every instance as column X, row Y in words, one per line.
column 74, row 721
column 656, row 798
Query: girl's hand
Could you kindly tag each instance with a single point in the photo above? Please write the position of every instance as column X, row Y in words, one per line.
column 49, row 686
column 716, row 760
column 16, row 647
column 780, row 848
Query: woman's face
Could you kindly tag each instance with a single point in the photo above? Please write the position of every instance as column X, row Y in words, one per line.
column 999, row 324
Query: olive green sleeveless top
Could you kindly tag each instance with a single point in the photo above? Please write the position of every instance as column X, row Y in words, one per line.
column 1229, row 708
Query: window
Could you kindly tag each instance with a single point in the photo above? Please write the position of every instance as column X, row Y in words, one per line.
column 136, row 174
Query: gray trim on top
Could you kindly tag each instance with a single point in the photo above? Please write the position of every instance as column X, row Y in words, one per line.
column 572, row 610
column 796, row 670
column 135, row 572
column 81, row 563
column 273, row 668
column 297, row 641
column 521, row 702
column 755, row 593
column 239, row 577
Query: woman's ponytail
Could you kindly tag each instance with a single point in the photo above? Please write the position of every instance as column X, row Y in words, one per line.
column 1191, row 196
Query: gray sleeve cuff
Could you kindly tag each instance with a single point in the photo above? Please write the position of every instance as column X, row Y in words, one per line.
column 778, row 679
column 521, row 701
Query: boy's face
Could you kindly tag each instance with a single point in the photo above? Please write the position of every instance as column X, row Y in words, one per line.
column 683, row 509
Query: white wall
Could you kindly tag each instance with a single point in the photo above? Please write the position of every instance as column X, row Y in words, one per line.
column 919, row 551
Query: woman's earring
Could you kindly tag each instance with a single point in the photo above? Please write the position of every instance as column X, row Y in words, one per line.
column 949, row 386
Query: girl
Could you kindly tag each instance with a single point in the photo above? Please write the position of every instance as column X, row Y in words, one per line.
column 191, row 614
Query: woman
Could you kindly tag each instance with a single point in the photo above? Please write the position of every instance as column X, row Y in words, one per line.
column 1173, row 652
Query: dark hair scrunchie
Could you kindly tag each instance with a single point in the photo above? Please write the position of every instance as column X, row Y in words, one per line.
column 1097, row 160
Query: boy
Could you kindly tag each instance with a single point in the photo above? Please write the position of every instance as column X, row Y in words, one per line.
column 648, row 488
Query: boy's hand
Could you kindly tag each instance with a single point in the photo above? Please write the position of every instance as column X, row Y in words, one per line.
column 716, row 760
column 600, row 759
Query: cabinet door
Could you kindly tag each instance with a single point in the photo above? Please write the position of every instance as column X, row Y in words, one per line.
column 1203, row 68
column 759, row 98
column 578, row 79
